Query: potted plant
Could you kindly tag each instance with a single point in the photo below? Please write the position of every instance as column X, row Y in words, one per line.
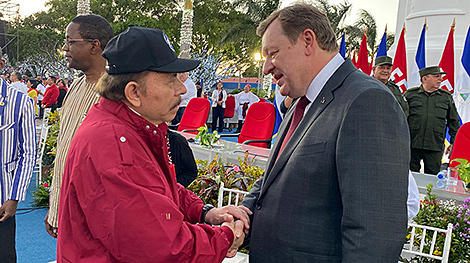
column 205, row 138
column 464, row 171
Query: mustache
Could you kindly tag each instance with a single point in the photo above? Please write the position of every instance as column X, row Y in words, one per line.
column 177, row 103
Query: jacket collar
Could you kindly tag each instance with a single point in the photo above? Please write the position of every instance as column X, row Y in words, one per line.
column 121, row 110
column 324, row 98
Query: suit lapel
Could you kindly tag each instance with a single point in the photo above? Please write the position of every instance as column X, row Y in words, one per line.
column 3, row 99
column 316, row 108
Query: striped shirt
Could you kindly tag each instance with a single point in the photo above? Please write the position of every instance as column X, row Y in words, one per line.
column 77, row 103
column 17, row 143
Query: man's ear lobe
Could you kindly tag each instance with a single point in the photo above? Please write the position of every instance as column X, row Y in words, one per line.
column 96, row 47
column 133, row 94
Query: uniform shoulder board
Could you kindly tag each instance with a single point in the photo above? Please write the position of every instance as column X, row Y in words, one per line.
column 446, row 91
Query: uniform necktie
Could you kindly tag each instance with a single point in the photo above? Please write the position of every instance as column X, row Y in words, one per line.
column 298, row 114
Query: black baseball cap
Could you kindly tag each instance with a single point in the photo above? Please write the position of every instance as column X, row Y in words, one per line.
column 140, row 49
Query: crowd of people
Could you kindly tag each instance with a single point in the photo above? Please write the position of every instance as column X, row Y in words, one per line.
column 343, row 151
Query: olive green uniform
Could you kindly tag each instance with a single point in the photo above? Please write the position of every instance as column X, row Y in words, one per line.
column 430, row 114
column 399, row 96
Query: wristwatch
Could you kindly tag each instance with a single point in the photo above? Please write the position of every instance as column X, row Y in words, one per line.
column 205, row 209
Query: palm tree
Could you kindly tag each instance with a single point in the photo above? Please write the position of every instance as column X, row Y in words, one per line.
column 186, row 29
column 336, row 14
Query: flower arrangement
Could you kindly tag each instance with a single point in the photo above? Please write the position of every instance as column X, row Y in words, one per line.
column 41, row 195
column 205, row 138
column 439, row 214
column 211, row 174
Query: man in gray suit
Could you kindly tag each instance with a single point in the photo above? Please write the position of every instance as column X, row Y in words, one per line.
column 335, row 187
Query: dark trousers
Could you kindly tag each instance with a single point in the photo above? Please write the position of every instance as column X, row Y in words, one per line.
column 7, row 241
column 218, row 114
column 41, row 110
column 179, row 115
column 432, row 160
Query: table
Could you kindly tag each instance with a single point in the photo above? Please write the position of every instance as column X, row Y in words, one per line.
column 231, row 151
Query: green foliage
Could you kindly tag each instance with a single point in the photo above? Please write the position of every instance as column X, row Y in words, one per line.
column 463, row 168
column 51, row 141
column 210, row 175
column 205, row 138
column 439, row 214
column 41, row 194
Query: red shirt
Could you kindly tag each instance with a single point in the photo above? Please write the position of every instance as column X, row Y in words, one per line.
column 50, row 96
column 119, row 200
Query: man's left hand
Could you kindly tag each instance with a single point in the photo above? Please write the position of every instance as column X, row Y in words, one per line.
column 8, row 209
column 217, row 216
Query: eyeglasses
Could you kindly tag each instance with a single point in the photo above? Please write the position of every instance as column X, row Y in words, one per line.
column 71, row 41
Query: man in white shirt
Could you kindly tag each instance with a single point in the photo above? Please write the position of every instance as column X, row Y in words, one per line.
column 16, row 84
column 191, row 92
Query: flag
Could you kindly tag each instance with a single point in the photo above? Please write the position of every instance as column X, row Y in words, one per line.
column 399, row 73
column 354, row 60
column 278, row 99
column 462, row 87
column 363, row 57
column 382, row 50
column 420, row 59
column 342, row 46
column 447, row 62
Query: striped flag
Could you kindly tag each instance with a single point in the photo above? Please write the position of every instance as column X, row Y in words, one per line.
column 363, row 57
column 462, row 87
column 342, row 46
column 399, row 73
column 420, row 59
column 447, row 62
column 382, row 50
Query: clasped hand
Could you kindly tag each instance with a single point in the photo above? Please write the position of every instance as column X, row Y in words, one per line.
column 226, row 216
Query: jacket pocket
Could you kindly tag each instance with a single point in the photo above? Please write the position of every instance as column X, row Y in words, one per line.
column 309, row 149
column 10, row 166
column 303, row 257
column 6, row 126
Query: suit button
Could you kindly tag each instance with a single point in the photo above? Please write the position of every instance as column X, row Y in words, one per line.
column 258, row 206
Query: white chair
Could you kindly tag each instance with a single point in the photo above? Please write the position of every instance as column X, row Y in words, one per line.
column 232, row 193
column 40, row 153
column 410, row 249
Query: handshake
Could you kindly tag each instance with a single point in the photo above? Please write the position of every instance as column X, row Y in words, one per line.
column 236, row 218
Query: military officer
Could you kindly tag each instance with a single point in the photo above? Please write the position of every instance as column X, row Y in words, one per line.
column 431, row 110
column 382, row 70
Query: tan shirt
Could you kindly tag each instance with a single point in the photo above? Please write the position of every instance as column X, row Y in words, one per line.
column 77, row 103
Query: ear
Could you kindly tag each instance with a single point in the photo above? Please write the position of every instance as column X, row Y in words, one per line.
column 96, row 47
column 308, row 39
column 133, row 94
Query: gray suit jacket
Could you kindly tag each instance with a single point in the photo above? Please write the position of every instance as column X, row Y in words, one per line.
column 338, row 191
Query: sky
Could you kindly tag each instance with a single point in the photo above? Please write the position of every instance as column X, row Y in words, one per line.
column 384, row 11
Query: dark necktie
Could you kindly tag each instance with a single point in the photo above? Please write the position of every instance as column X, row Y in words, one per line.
column 298, row 114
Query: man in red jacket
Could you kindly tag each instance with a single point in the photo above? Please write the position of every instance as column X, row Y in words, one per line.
column 51, row 95
column 119, row 200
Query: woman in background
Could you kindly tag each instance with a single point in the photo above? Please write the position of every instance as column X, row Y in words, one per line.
column 32, row 84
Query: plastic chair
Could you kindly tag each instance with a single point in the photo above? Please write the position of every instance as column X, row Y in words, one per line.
column 461, row 147
column 229, row 111
column 411, row 249
column 195, row 115
column 234, row 196
column 258, row 127
column 40, row 153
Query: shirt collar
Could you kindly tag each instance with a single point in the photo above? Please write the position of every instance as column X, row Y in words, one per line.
column 323, row 76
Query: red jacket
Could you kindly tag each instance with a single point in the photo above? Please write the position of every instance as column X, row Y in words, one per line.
column 50, row 96
column 119, row 200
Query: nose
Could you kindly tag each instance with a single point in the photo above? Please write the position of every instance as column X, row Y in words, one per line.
column 65, row 47
column 267, row 66
column 180, row 88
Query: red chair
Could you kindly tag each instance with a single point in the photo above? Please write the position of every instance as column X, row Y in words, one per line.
column 229, row 111
column 258, row 127
column 461, row 148
column 195, row 115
